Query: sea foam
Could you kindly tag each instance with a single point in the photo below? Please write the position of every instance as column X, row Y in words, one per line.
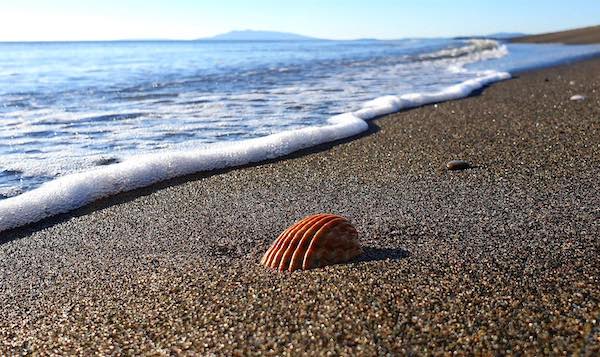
column 72, row 191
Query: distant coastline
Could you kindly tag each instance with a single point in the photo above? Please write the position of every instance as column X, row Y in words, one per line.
column 580, row 36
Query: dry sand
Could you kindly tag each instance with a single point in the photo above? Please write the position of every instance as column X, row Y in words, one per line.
column 585, row 35
column 502, row 258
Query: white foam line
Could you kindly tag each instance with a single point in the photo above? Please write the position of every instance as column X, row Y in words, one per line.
column 70, row 192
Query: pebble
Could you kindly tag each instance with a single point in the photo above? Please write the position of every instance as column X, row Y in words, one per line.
column 578, row 97
column 458, row 165
column 106, row 161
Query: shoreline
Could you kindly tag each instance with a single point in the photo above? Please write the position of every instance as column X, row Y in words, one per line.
column 73, row 191
column 84, row 189
column 497, row 258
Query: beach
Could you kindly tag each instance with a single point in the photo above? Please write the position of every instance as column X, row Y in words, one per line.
column 501, row 258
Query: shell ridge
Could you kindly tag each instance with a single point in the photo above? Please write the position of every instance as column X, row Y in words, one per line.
column 306, row 236
column 298, row 226
column 284, row 242
column 264, row 258
column 317, row 237
column 304, row 242
column 267, row 256
column 276, row 244
column 276, row 252
column 293, row 243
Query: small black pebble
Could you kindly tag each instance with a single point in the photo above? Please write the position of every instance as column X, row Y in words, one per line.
column 458, row 165
column 106, row 161
column 546, row 80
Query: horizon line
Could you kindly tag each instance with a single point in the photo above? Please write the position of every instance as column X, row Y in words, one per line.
column 308, row 38
column 209, row 39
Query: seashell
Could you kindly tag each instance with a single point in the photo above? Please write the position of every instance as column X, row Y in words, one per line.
column 313, row 242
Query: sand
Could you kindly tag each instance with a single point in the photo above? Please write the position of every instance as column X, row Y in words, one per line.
column 501, row 258
column 579, row 36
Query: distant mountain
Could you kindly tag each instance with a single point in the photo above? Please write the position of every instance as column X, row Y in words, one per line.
column 493, row 36
column 251, row 35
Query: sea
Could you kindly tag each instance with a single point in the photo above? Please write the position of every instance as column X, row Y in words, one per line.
column 84, row 120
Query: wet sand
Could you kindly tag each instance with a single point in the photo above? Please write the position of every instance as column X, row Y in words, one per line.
column 501, row 258
column 579, row 36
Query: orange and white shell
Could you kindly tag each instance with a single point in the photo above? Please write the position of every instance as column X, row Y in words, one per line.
column 313, row 242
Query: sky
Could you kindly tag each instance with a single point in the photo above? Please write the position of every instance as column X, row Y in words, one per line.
column 75, row 20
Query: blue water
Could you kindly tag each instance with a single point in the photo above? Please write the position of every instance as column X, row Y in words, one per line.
column 67, row 107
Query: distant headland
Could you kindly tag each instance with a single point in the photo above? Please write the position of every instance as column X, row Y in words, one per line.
column 251, row 35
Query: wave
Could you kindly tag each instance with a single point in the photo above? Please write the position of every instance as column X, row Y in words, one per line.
column 72, row 191
column 473, row 50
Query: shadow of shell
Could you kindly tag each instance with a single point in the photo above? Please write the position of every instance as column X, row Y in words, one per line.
column 313, row 242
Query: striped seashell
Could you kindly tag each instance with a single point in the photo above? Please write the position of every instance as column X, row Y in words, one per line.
column 313, row 242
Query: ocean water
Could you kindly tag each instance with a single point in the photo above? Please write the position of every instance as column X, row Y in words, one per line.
column 80, row 121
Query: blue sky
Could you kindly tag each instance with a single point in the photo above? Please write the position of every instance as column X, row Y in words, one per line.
column 43, row 20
